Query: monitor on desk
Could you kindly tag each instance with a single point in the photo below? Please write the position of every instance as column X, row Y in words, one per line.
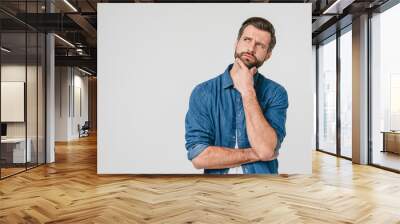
column 3, row 130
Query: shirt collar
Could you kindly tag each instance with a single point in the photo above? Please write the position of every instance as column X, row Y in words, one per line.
column 227, row 79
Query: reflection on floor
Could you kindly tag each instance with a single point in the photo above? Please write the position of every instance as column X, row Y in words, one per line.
column 10, row 171
column 386, row 159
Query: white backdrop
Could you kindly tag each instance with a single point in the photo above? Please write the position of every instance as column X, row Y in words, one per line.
column 151, row 56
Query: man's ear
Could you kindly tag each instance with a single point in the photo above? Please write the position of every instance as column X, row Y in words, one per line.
column 269, row 54
column 234, row 45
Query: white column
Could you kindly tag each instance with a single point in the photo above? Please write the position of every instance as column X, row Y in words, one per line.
column 50, row 92
column 50, row 110
column 360, row 90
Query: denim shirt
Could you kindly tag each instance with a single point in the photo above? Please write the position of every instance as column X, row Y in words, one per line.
column 216, row 111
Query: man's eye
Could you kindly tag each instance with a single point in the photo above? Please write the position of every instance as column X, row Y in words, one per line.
column 261, row 46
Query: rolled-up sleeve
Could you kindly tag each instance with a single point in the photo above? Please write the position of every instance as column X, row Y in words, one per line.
column 275, row 113
column 198, row 125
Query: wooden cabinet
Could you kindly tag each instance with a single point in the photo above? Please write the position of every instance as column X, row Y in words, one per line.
column 391, row 141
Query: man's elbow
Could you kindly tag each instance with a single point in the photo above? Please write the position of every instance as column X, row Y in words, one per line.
column 266, row 154
column 197, row 163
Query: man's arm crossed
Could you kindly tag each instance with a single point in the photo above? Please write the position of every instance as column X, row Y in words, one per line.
column 215, row 157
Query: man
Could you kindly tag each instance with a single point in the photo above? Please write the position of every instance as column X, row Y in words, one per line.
column 238, row 118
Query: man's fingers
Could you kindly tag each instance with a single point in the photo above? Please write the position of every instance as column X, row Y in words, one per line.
column 241, row 64
column 253, row 70
column 237, row 62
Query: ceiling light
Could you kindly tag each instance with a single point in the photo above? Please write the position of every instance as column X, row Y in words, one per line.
column 64, row 40
column 84, row 71
column 5, row 50
column 70, row 5
column 337, row 7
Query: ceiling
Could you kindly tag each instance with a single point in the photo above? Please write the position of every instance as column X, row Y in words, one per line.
column 76, row 22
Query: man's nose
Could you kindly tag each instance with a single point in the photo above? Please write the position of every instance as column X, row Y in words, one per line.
column 251, row 47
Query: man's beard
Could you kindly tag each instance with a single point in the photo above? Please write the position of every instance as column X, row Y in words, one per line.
column 249, row 64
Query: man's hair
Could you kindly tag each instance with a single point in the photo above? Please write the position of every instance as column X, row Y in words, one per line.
column 261, row 24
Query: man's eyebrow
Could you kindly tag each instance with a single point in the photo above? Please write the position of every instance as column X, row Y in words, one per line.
column 258, row 42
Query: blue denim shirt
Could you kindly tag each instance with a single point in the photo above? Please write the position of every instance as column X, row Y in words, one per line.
column 216, row 111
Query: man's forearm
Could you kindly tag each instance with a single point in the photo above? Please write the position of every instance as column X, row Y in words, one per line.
column 261, row 135
column 215, row 157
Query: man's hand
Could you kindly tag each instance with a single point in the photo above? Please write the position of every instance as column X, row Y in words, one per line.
column 242, row 77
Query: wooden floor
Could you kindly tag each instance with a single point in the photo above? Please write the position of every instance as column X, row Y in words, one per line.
column 70, row 191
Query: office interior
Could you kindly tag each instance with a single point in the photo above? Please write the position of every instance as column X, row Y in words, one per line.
column 49, row 86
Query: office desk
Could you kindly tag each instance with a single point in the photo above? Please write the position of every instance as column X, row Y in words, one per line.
column 391, row 141
column 13, row 150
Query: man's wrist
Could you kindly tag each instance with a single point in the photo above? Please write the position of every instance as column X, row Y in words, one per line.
column 249, row 93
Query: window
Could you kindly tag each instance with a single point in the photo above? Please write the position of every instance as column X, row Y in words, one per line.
column 385, row 89
column 327, row 96
column 346, row 94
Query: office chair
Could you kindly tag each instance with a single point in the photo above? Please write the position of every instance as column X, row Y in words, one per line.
column 84, row 130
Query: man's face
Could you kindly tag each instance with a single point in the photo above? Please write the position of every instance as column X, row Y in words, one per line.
column 252, row 47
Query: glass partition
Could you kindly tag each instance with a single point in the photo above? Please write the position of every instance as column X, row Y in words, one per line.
column 32, row 95
column 22, row 63
column 13, row 104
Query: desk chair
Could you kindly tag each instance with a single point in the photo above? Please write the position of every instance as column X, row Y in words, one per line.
column 84, row 130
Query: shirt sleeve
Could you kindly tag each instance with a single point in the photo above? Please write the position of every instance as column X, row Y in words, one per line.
column 198, row 124
column 275, row 113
